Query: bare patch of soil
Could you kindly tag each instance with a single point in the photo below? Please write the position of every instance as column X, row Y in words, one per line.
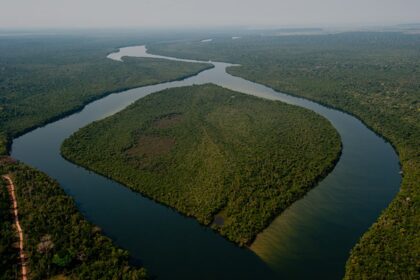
column 7, row 160
column 150, row 146
column 168, row 120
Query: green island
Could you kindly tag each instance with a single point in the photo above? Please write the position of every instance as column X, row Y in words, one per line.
column 372, row 75
column 43, row 78
column 230, row 160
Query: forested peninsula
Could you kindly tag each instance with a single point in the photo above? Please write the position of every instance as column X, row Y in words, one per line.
column 232, row 161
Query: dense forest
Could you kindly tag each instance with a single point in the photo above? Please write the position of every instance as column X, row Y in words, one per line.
column 230, row 160
column 58, row 240
column 373, row 75
column 45, row 77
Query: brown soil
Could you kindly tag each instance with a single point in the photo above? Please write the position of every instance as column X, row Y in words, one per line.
column 151, row 146
column 7, row 160
column 168, row 120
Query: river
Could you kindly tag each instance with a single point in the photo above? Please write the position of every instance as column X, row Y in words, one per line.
column 310, row 240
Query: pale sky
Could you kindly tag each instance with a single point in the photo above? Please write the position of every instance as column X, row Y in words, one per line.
column 200, row 13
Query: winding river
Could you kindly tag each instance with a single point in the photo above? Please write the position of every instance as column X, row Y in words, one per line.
column 310, row 240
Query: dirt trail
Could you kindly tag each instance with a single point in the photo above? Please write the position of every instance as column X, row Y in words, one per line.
column 11, row 189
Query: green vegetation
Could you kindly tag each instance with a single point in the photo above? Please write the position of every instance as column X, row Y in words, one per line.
column 212, row 153
column 58, row 240
column 374, row 76
column 44, row 78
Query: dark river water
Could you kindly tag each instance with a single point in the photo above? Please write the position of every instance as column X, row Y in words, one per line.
column 310, row 240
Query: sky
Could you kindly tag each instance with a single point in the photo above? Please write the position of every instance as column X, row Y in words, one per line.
column 200, row 13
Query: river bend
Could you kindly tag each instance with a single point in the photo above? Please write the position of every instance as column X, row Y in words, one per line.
column 310, row 240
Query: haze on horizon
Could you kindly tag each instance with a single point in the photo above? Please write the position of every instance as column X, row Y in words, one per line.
column 199, row 13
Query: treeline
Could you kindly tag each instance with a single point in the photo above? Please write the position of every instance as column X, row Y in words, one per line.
column 209, row 151
column 45, row 77
column 58, row 241
column 374, row 76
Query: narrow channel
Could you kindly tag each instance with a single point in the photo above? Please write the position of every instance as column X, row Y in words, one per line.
column 310, row 240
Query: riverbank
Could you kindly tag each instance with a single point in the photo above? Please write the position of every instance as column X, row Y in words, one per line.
column 83, row 252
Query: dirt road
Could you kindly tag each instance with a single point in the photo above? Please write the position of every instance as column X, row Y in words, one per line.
column 11, row 189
